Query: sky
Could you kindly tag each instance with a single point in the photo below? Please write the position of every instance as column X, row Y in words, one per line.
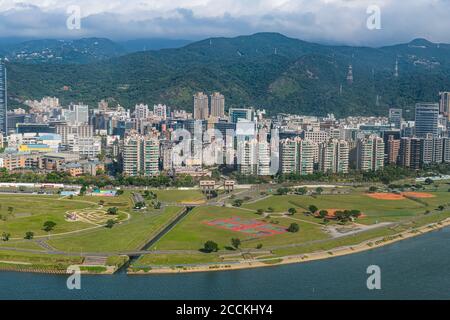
column 323, row 21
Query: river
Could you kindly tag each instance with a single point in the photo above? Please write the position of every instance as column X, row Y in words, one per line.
column 416, row 268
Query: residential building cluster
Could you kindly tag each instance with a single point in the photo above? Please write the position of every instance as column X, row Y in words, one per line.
column 148, row 141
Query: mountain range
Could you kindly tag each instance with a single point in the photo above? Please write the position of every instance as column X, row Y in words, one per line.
column 265, row 70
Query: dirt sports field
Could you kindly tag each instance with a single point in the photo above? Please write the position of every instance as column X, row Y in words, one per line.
column 395, row 196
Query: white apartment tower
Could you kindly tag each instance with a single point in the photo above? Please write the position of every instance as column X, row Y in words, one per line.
column 140, row 155
column 334, row 156
column 297, row 156
column 370, row 153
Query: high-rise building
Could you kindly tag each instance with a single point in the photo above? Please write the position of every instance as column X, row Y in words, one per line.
column 393, row 150
column 247, row 156
column 201, row 106
column 296, row 156
column 431, row 150
column 446, row 150
column 395, row 117
column 263, row 158
column 77, row 114
column 3, row 99
column 334, row 156
column 427, row 119
column 150, row 155
column 140, row 155
column 410, row 153
column 141, row 111
column 160, row 110
column 444, row 104
column 217, row 105
column 370, row 153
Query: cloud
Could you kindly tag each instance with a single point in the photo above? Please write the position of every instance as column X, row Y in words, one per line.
column 337, row 21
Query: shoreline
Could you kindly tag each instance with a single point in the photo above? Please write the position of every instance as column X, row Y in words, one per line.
column 300, row 258
column 250, row 264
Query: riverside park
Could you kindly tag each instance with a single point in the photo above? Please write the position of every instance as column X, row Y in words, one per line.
column 148, row 231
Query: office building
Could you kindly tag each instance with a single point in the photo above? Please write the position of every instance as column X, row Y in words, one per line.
column 238, row 113
column 76, row 114
column 396, row 117
column 427, row 119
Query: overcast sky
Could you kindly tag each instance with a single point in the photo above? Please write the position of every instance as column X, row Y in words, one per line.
column 326, row 21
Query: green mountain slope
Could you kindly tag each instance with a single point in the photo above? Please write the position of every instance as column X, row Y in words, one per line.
column 265, row 70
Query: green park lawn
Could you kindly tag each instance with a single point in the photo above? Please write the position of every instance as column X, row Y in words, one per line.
column 22, row 213
column 129, row 235
column 192, row 232
column 374, row 209
column 179, row 196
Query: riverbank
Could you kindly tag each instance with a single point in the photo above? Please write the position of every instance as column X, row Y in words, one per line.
column 292, row 259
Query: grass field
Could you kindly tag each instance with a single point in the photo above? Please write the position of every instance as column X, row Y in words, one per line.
column 22, row 213
column 126, row 236
column 192, row 232
column 179, row 196
column 375, row 210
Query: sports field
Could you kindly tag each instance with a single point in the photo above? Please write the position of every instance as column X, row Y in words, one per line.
column 201, row 225
column 374, row 209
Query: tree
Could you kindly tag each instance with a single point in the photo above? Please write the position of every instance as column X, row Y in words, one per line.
column 373, row 189
column 83, row 190
column 29, row 235
column 236, row 242
column 10, row 210
column 210, row 246
column 323, row 214
column 313, row 209
column 49, row 226
column 282, row 191
column 119, row 192
column 319, row 190
column 429, row 181
column 6, row 236
column 301, row 191
column 139, row 205
column 259, row 246
column 238, row 202
column 101, row 202
column 110, row 223
column 293, row 228
column 292, row 211
column 112, row 211
column 260, row 211
column 270, row 209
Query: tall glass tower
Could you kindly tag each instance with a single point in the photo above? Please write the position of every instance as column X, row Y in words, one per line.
column 427, row 119
column 3, row 99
